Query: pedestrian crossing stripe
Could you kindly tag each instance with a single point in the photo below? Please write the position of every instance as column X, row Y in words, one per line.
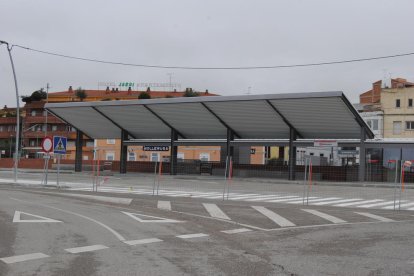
column 276, row 198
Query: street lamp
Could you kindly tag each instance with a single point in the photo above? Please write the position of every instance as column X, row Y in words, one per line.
column 16, row 154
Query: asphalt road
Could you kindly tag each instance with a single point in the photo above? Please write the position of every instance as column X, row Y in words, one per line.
column 49, row 232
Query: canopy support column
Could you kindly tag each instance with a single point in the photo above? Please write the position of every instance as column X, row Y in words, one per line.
column 292, row 154
column 78, row 151
column 174, row 152
column 229, row 148
column 124, row 153
column 362, row 155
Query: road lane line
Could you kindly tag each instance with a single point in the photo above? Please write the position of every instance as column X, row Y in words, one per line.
column 312, row 200
column 357, row 203
column 337, row 201
column 396, row 205
column 215, row 211
column 143, row 241
column 279, row 220
column 374, row 216
column 115, row 233
column 236, row 231
column 378, row 204
column 324, row 216
column 89, row 248
column 191, row 236
column 284, row 199
column 23, row 258
column 165, row 205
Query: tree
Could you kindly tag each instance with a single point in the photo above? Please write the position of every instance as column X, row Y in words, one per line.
column 81, row 94
column 36, row 96
column 144, row 95
column 190, row 93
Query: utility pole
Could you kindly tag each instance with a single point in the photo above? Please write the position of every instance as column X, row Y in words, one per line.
column 47, row 99
column 170, row 74
column 16, row 154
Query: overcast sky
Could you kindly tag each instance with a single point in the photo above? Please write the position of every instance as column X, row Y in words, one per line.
column 205, row 33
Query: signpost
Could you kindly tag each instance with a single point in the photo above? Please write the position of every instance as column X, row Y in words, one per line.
column 47, row 147
column 59, row 148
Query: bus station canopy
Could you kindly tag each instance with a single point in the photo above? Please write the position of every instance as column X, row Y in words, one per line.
column 316, row 115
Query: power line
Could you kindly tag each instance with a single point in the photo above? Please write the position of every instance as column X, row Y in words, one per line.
column 214, row 68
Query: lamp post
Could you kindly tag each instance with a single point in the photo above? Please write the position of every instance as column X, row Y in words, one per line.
column 16, row 154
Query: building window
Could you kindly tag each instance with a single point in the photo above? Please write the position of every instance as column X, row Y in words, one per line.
column 396, row 127
column 205, row 157
column 155, row 156
column 90, row 144
column 110, row 156
column 321, row 155
column 33, row 113
column 410, row 102
column 374, row 124
column 54, row 128
column 1, row 128
column 131, row 156
column 397, row 103
column 110, row 141
column 32, row 143
column 369, row 123
column 180, row 156
column 409, row 125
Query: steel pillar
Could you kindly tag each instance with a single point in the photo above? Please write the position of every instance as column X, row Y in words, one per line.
column 362, row 155
column 292, row 154
column 78, row 152
column 174, row 151
column 124, row 153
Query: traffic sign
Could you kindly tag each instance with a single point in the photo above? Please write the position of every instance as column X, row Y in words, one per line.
column 59, row 144
column 47, row 144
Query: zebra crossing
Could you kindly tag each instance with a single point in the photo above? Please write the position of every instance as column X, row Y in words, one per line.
column 266, row 198
column 275, row 219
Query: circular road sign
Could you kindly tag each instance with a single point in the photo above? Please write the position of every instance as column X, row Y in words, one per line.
column 47, row 144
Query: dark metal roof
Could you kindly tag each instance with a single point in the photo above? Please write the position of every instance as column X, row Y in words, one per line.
column 319, row 115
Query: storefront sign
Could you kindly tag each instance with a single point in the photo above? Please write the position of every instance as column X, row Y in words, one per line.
column 156, row 148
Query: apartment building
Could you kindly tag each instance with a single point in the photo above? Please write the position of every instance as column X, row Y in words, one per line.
column 388, row 110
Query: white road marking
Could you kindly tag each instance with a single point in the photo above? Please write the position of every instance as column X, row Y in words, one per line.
column 17, row 218
column 89, row 248
column 143, row 241
column 325, row 216
column 358, row 202
column 337, row 201
column 191, row 236
column 165, row 205
column 279, row 220
column 147, row 218
column 396, row 205
column 286, row 198
column 263, row 198
column 374, row 216
column 242, row 197
column 312, row 200
column 119, row 236
column 378, row 204
column 116, row 200
column 22, row 258
column 236, row 231
column 215, row 211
